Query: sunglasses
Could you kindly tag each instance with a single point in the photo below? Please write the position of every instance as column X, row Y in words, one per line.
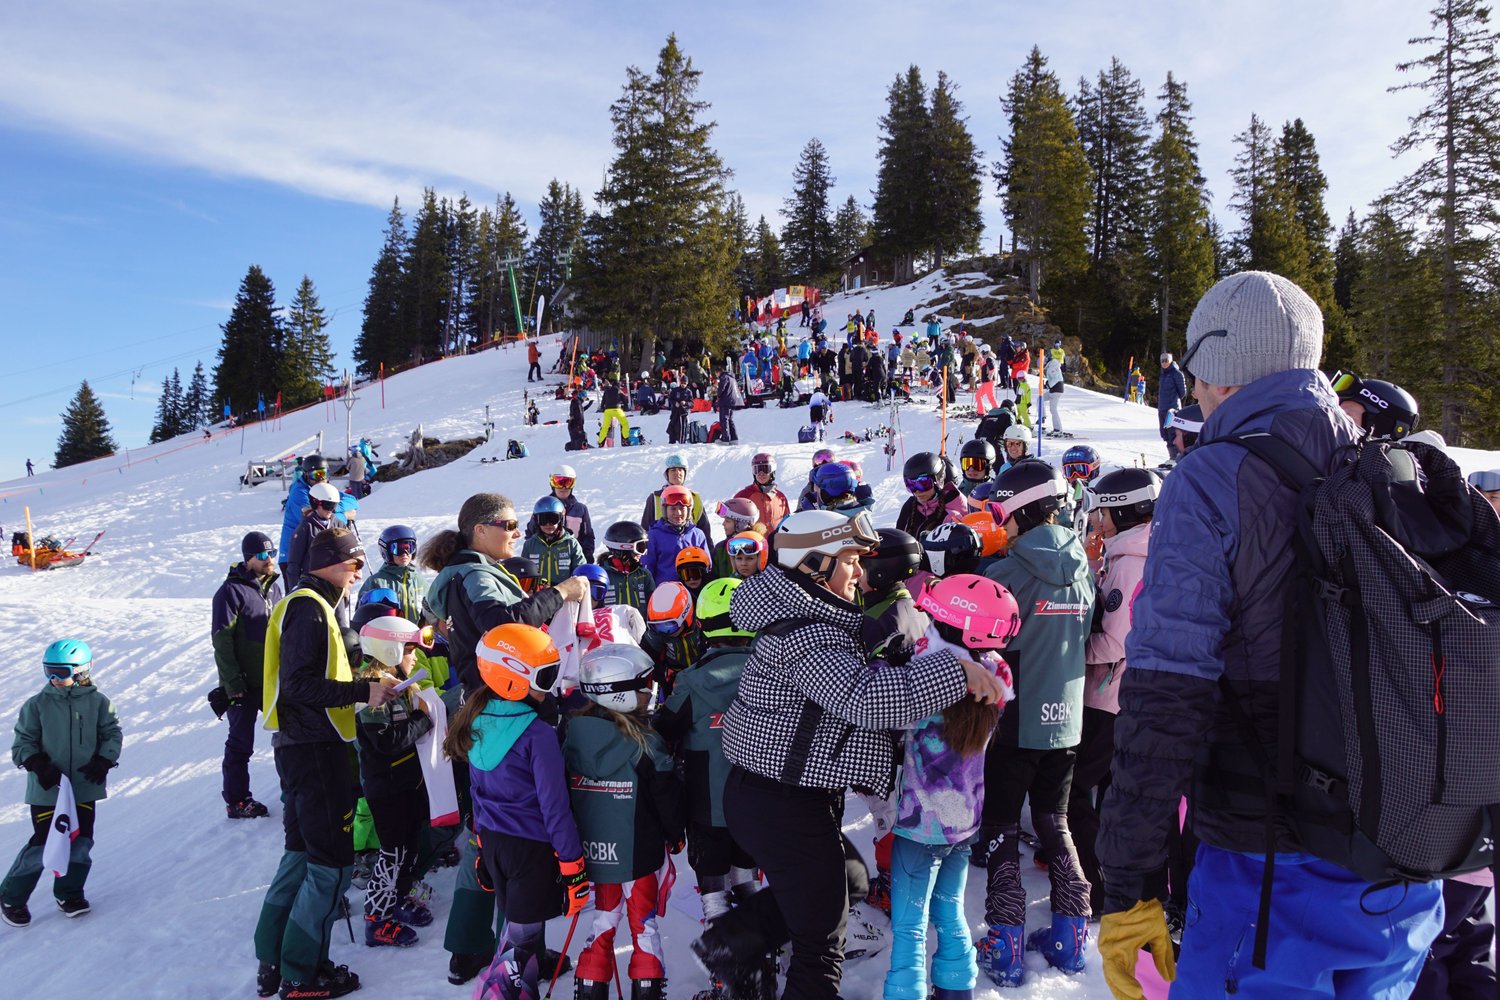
column 356, row 564
column 403, row 548
column 563, row 482
column 509, row 524
column 921, row 484
column 1188, row 357
column 268, row 554
column 972, row 462
column 745, row 546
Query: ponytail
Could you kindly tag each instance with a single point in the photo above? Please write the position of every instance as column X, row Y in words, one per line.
column 460, row 738
column 440, row 548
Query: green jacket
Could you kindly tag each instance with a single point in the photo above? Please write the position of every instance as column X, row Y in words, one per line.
column 408, row 584
column 627, row 801
column 1047, row 571
column 555, row 560
column 633, row 588
column 69, row 725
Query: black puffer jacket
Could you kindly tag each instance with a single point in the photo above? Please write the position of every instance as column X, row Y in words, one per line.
column 305, row 693
column 811, row 710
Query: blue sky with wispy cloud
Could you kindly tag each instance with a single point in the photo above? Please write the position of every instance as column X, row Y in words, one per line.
column 153, row 150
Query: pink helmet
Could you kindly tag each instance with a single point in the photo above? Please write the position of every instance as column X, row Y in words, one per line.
column 983, row 610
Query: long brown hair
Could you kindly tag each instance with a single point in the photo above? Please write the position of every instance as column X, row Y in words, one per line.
column 968, row 726
column 460, row 738
column 634, row 726
column 480, row 507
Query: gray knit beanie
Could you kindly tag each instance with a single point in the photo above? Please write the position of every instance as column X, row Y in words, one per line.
column 1250, row 325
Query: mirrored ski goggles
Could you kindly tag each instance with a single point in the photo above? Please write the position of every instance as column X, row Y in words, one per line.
column 404, row 547
column 973, row 462
column 1078, row 470
column 507, row 524
column 1485, row 482
column 268, row 555
column 1346, row 382
column 562, row 482
column 921, row 484
column 318, row 475
column 745, row 546
column 667, row 627
column 62, row 671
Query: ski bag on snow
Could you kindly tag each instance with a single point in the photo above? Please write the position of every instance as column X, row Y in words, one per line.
column 806, row 434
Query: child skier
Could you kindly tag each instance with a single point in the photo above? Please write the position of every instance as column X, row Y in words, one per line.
column 976, row 460
column 738, row 514
column 391, row 777
column 694, row 569
column 553, row 548
column 748, row 552
column 628, row 802
column 942, row 786
column 575, row 512
column 674, row 640
column 323, row 501
column 531, row 856
column 625, row 542
column 68, row 729
column 398, row 547
column 672, row 533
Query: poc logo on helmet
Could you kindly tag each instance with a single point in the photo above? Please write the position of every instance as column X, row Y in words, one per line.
column 838, row 532
column 1374, row 398
column 964, row 603
column 1112, row 497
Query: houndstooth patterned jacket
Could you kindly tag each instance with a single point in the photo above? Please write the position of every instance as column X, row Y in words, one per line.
column 811, row 710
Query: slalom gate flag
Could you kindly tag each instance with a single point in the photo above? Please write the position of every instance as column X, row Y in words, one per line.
column 59, row 846
column 442, row 795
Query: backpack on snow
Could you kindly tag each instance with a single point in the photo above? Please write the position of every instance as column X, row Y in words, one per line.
column 807, row 434
column 697, row 432
column 1389, row 692
column 515, row 449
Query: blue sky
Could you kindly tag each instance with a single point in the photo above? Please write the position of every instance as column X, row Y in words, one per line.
column 152, row 151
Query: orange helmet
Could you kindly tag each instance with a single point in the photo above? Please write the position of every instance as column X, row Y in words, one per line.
column 670, row 609
column 749, row 542
column 515, row 658
column 693, row 555
column 676, row 496
column 992, row 537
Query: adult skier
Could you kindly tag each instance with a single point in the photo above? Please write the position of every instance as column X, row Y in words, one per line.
column 313, row 470
column 1171, row 391
column 770, row 503
column 675, row 472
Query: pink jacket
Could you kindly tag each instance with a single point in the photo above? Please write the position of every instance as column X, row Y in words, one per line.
column 1124, row 562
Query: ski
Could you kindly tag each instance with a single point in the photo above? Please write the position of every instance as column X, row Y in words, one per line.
column 90, row 545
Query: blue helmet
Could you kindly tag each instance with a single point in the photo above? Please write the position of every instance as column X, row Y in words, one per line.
column 597, row 578
column 384, row 595
column 549, row 505
column 67, row 658
column 675, row 462
column 394, row 534
column 1080, row 463
column 834, row 479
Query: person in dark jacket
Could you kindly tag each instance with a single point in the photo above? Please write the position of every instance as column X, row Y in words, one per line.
column 241, row 608
column 724, row 399
column 1171, row 392
column 679, row 404
column 577, row 437
column 310, row 695
column 564, row 480
column 320, row 514
column 1210, row 608
column 612, row 404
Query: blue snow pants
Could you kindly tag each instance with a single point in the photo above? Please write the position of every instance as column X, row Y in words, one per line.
column 927, row 885
column 1328, row 937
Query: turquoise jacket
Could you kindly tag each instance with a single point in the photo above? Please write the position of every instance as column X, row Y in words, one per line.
column 70, row 725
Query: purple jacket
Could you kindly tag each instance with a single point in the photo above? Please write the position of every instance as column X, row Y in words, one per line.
column 517, row 778
column 663, row 543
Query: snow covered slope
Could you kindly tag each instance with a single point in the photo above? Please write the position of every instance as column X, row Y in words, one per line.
column 175, row 886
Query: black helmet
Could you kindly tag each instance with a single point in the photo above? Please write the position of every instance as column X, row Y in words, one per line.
column 952, row 547
column 312, row 462
column 981, row 449
column 1390, row 411
column 1130, row 495
column 924, row 463
column 521, row 567
column 1030, row 491
column 1189, row 420
column 255, row 543
column 625, row 536
column 896, row 557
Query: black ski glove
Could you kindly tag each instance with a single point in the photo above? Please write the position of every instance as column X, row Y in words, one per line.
column 219, row 702
column 46, row 772
column 97, row 769
column 898, row 650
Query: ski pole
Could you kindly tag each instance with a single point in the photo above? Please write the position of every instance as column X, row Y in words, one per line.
column 557, row 969
column 615, row 967
column 348, row 921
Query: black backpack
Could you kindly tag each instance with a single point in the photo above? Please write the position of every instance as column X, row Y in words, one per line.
column 1388, row 746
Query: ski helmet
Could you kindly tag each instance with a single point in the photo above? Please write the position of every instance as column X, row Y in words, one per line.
column 1188, row 420
column 1018, row 432
column 689, row 557
column 596, row 576
column 384, row 639
column 563, row 477
column 324, row 493
column 396, row 540
column 626, row 536
column 612, row 675
column 670, row 608
column 1389, row 410
column 992, row 538
column 675, row 462
column 952, row 547
column 1080, row 463
column 257, row 544
column 739, row 510
column 67, row 658
column 713, row 610
column 857, row 469
column 985, row 612
column 977, row 453
column 749, row 543
column 525, row 572
column 833, row 480
column 371, row 610
column 314, row 469
column 1030, row 491
column 515, row 659
column 809, row 541
column 676, row 496
column 764, row 462
column 821, row 456
column 896, row 557
column 922, row 472
column 1130, row 495
column 549, row 511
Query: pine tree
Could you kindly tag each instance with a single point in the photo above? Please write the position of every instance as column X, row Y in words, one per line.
column 1044, row 177
column 427, row 285
column 1301, row 173
column 739, row 243
column 559, row 228
column 1455, row 188
column 807, row 238
column 902, row 220
column 1346, row 262
column 306, row 363
column 1395, row 303
column 170, row 410
column 251, row 348
column 1180, row 237
column 851, row 229
column 765, row 263
column 85, row 433
column 382, row 337
column 460, row 329
column 195, row 408
column 1270, row 238
column 953, row 177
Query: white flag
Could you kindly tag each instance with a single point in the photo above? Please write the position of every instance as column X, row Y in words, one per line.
column 59, row 846
column 442, row 796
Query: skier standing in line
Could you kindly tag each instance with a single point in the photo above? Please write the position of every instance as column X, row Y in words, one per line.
column 241, row 609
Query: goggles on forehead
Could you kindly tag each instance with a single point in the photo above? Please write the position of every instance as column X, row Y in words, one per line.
column 731, row 515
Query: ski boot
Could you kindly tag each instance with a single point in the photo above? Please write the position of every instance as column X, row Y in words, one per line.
column 590, row 989
column 410, row 911
column 648, row 989
column 364, row 864
column 388, row 933
column 735, row 960
column 331, row 981
column 715, row 991
column 17, row 916
column 1001, row 957
column 463, row 967
column 248, row 808
column 880, row 892
column 267, row 979
column 1062, row 943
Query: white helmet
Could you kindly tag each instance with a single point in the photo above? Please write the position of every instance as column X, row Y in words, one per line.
column 1017, row 432
column 326, row 492
column 564, row 470
column 384, row 639
column 611, row 675
column 809, row 541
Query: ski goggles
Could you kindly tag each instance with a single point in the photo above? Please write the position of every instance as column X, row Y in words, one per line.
column 62, row 671
column 763, row 468
column 668, row 627
column 562, row 482
column 638, row 548
column 1485, row 482
column 1078, row 470
column 268, row 555
column 324, row 504
column 745, row 546
column 921, row 484
column 973, row 462
column 549, row 520
column 691, row 572
column 1346, row 382
column 640, row 683
column 318, row 475
column 507, row 524
column 679, row 503
column 402, row 547
column 732, row 515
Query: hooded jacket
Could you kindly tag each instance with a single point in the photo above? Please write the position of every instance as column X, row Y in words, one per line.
column 242, row 607
column 770, row 503
column 917, row 517
column 1047, row 572
column 307, row 530
column 517, row 780
column 811, row 710
column 387, row 738
column 408, row 584
column 1124, row 562
column 555, row 559
column 476, row 594
column 628, row 802
column 575, row 519
column 632, row 587
column 664, row 541
column 70, row 725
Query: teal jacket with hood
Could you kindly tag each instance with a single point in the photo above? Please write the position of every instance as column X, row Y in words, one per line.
column 69, row 725
column 693, row 722
column 408, row 584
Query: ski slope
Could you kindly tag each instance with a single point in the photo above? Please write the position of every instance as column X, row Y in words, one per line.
column 176, row 887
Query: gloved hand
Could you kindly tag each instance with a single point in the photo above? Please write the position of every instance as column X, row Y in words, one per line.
column 48, row 773
column 898, row 650
column 218, row 700
column 575, row 886
column 1123, row 935
column 97, row 769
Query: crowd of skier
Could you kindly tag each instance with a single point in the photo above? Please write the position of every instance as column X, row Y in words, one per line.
column 717, row 676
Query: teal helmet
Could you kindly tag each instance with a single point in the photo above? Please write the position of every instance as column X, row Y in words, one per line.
column 67, row 658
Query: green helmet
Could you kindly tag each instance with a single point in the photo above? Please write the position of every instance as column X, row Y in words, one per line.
column 713, row 610
column 72, row 655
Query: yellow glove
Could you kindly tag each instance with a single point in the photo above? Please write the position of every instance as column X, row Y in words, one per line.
column 1123, row 935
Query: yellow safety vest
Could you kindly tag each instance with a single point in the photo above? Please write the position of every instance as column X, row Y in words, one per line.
column 342, row 717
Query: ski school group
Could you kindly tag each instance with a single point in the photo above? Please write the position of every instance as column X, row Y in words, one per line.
column 1246, row 699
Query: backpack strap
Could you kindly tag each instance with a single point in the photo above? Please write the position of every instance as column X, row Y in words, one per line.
column 1290, row 464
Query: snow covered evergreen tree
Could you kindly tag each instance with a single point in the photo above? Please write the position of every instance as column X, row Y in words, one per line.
column 85, row 434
